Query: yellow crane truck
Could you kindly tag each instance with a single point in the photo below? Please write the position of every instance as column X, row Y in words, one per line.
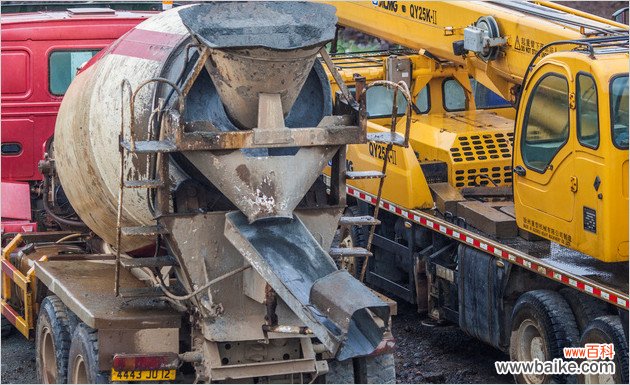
column 503, row 201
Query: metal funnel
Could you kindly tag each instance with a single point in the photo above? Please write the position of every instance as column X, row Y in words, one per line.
column 259, row 47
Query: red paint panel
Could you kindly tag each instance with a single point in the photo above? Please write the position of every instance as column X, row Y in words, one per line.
column 143, row 44
column 16, row 73
column 17, row 226
column 16, row 200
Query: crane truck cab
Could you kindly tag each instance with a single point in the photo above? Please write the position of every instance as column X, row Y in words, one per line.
column 41, row 52
column 571, row 146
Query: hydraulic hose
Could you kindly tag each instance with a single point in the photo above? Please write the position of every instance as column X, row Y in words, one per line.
column 57, row 218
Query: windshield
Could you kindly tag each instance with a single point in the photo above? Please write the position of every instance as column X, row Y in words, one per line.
column 619, row 110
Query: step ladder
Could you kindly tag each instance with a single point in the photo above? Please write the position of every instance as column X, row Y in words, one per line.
column 389, row 139
column 157, row 181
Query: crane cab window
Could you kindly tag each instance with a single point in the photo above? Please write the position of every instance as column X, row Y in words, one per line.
column 63, row 66
column 546, row 126
column 619, row 110
column 587, row 117
column 455, row 96
column 380, row 100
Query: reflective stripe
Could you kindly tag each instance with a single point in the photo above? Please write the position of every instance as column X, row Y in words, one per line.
column 511, row 255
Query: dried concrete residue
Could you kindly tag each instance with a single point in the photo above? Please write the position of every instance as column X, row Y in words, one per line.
column 276, row 25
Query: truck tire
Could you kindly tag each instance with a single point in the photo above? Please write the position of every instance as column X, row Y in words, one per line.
column 542, row 326
column 340, row 372
column 52, row 341
column 7, row 327
column 585, row 308
column 607, row 330
column 379, row 369
column 83, row 357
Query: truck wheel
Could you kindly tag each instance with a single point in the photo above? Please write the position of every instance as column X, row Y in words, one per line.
column 52, row 342
column 340, row 372
column 607, row 330
column 7, row 327
column 585, row 308
column 379, row 369
column 542, row 326
column 83, row 358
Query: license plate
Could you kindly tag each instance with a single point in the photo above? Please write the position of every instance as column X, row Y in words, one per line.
column 144, row 375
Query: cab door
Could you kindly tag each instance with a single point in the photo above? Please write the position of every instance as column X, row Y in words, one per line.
column 544, row 165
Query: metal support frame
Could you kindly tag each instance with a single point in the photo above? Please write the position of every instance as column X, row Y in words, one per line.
column 25, row 283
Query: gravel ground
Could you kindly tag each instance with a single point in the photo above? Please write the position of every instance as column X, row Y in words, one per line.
column 18, row 360
column 441, row 354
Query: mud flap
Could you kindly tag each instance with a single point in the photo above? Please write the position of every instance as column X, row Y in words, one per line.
column 344, row 314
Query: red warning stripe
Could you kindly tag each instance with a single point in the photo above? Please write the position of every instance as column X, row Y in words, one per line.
column 10, row 314
column 511, row 255
column 8, row 269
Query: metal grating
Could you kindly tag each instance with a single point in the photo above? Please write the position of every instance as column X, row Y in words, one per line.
column 482, row 159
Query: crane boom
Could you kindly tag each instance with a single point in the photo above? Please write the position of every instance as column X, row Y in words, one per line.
column 523, row 29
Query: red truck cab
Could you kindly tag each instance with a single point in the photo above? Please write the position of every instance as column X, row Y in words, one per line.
column 41, row 52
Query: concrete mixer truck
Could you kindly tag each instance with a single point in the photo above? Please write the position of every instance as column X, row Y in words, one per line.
column 192, row 150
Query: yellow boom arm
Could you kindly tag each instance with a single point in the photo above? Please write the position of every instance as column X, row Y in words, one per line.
column 523, row 28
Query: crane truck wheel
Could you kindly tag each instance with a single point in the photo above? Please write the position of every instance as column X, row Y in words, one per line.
column 83, row 357
column 340, row 372
column 379, row 369
column 52, row 341
column 607, row 330
column 542, row 326
column 584, row 307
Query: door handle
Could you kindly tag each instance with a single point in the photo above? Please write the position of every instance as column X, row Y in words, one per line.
column 520, row 170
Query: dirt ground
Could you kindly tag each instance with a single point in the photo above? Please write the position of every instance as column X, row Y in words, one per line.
column 18, row 360
column 441, row 354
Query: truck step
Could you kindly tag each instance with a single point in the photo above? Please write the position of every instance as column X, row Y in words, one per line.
column 150, row 146
column 340, row 252
column 143, row 230
column 161, row 261
column 365, row 220
column 127, row 292
column 386, row 138
column 364, row 175
column 145, row 183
